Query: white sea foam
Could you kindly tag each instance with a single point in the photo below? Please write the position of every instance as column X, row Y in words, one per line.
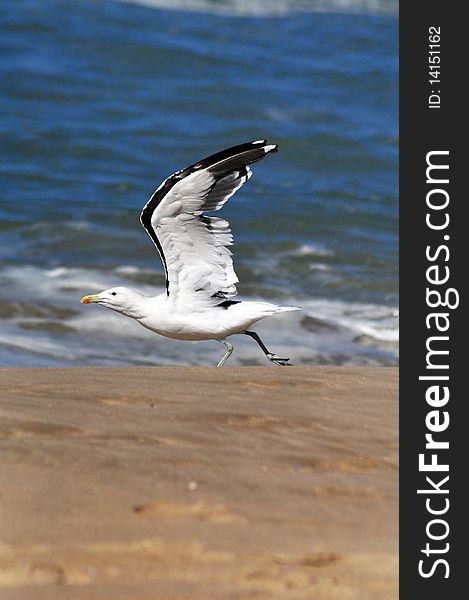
column 319, row 267
column 311, row 250
column 127, row 270
column 375, row 321
column 271, row 8
column 66, row 284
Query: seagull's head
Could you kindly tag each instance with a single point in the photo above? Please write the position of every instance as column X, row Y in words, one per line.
column 120, row 299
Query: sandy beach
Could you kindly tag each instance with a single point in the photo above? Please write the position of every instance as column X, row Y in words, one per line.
column 199, row 483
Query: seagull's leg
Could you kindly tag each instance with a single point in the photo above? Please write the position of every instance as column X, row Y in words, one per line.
column 226, row 356
column 283, row 362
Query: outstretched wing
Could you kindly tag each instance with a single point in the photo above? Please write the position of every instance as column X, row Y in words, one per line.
column 193, row 246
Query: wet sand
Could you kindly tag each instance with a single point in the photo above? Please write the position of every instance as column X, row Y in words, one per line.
column 199, row 483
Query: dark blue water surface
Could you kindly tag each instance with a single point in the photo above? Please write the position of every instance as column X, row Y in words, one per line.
column 103, row 100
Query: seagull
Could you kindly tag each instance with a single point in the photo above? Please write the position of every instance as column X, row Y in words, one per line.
column 201, row 282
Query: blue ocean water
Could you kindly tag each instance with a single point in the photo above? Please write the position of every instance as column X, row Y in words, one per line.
column 102, row 100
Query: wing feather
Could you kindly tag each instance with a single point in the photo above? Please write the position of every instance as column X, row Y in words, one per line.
column 193, row 246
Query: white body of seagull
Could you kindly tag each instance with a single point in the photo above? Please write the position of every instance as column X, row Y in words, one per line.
column 200, row 279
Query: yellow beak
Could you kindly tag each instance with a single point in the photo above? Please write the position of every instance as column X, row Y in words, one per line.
column 89, row 299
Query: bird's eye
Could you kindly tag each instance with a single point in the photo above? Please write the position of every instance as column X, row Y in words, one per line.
column 113, row 293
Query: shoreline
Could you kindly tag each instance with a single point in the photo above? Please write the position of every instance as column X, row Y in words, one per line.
column 196, row 482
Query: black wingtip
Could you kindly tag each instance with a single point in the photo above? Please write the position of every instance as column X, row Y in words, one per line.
column 270, row 148
column 267, row 147
column 254, row 147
